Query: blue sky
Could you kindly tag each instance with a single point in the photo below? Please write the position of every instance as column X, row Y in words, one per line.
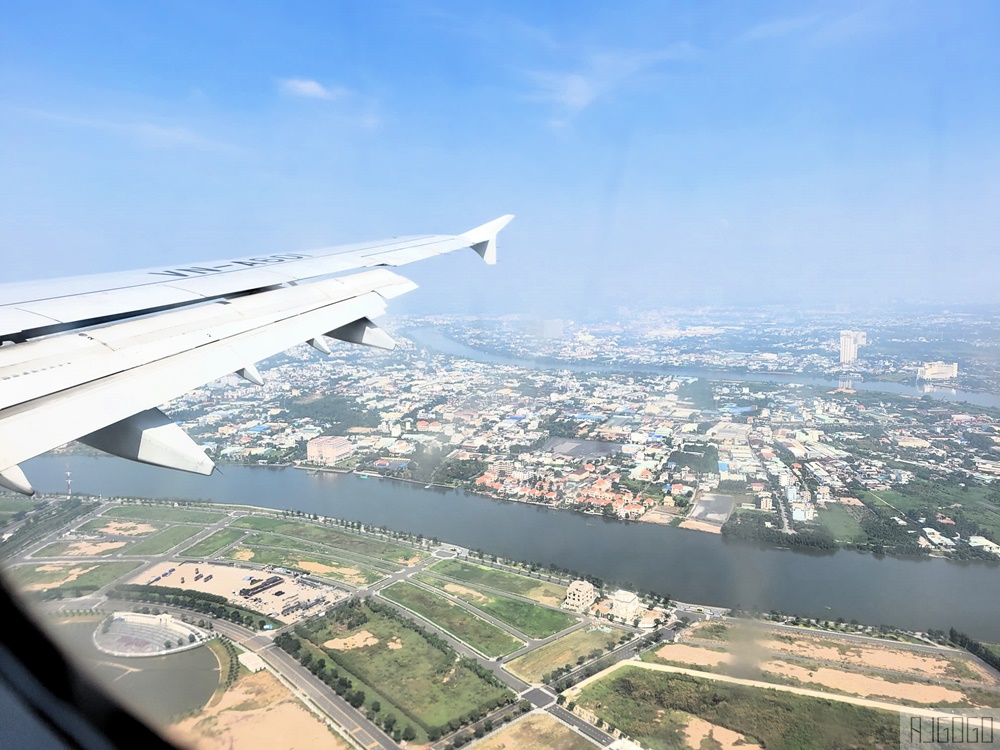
column 655, row 153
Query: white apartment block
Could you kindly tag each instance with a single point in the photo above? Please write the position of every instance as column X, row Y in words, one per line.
column 579, row 596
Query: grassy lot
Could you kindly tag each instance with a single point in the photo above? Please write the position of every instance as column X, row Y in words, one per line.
column 98, row 524
column 355, row 575
column 11, row 506
column 919, row 494
column 533, row 666
column 212, row 544
column 69, row 577
column 263, row 539
column 58, row 549
column 160, row 543
column 532, row 620
column 362, row 545
column 712, row 631
column 841, row 524
column 647, row 705
column 531, row 588
column 163, row 513
column 536, row 732
column 425, row 683
column 481, row 635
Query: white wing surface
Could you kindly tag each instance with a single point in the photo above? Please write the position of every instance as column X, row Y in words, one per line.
column 91, row 358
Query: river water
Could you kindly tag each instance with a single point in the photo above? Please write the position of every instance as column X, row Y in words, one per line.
column 433, row 339
column 688, row 565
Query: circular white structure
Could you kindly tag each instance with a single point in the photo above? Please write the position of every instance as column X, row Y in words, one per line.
column 135, row 634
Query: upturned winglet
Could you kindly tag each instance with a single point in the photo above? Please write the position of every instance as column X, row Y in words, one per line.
column 483, row 239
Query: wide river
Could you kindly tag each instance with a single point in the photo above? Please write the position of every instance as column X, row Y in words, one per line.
column 433, row 339
column 688, row 565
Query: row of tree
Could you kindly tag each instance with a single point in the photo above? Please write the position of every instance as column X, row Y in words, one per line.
column 209, row 604
column 974, row 647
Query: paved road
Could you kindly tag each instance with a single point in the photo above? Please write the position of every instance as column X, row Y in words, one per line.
column 538, row 643
column 308, row 685
column 585, row 727
column 344, row 715
column 514, row 683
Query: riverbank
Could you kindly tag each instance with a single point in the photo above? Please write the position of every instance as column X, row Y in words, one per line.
column 914, row 593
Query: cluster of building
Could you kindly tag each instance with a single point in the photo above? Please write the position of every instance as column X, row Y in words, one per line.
column 614, row 444
column 620, row 606
column 736, row 341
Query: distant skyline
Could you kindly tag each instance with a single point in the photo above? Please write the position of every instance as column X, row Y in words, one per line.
column 674, row 153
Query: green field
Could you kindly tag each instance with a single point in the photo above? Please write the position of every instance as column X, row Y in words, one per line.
column 535, row 665
column 486, row 638
column 213, row 543
column 653, row 708
column 163, row 513
column 531, row 619
column 160, row 543
column 351, row 573
column 362, row 545
column 530, row 588
column 841, row 524
column 97, row 525
column 423, row 682
column 263, row 539
column 70, row 577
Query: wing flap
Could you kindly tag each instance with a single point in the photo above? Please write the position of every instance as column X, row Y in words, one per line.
column 103, row 389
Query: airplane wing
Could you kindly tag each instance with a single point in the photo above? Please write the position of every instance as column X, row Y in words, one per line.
column 91, row 358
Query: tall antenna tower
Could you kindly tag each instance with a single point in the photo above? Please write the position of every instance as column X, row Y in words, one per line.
column 69, row 483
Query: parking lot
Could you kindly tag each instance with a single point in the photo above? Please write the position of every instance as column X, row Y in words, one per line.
column 290, row 600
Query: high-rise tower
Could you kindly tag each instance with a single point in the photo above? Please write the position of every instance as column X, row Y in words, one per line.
column 849, row 343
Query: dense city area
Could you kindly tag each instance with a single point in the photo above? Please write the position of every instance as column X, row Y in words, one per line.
column 814, row 465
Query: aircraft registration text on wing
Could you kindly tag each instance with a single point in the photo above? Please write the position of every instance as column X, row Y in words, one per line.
column 91, row 358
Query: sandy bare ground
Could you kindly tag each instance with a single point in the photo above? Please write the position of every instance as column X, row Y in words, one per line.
column 693, row 655
column 91, row 549
column 870, row 657
column 711, row 528
column 71, row 575
column 243, row 553
column 124, row 528
column 535, row 732
column 395, row 644
column 575, row 691
column 359, row 640
column 227, row 580
column 258, row 713
column 866, row 686
column 659, row 515
column 698, row 729
column 454, row 588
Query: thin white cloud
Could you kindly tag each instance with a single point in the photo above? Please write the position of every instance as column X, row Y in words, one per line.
column 571, row 93
column 819, row 30
column 146, row 134
column 779, row 27
column 309, row 89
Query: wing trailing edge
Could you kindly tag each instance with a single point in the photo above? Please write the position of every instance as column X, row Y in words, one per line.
column 93, row 358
